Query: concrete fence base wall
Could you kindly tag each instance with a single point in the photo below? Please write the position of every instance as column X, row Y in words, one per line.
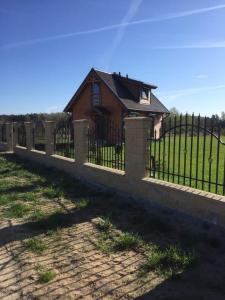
column 134, row 181
column 206, row 206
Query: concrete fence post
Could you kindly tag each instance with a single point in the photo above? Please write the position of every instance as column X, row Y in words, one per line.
column 29, row 135
column 137, row 131
column 49, row 137
column 15, row 134
column 81, row 141
column 9, row 136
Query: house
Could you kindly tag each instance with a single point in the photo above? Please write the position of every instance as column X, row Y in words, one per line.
column 110, row 96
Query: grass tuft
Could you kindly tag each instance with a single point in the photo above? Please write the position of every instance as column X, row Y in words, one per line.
column 16, row 210
column 126, row 241
column 46, row 276
column 82, row 203
column 167, row 262
column 35, row 245
column 104, row 224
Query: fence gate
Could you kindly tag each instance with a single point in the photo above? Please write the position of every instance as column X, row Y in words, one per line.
column 190, row 151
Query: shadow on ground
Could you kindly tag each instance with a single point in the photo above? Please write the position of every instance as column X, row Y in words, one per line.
column 85, row 272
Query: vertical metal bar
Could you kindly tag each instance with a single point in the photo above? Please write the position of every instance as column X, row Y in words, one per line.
column 191, row 152
column 168, row 162
column 164, row 148
column 224, row 177
column 159, row 156
column 150, row 155
column 197, row 153
column 210, row 154
column 154, row 161
column 179, row 148
column 174, row 144
column 185, row 149
column 218, row 156
column 107, row 143
column 203, row 162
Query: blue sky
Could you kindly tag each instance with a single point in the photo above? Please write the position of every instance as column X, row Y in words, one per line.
column 48, row 46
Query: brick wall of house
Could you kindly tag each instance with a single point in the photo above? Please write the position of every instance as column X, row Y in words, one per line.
column 83, row 106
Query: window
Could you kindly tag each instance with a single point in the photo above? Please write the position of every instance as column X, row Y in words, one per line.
column 144, row 94
column 95, row 93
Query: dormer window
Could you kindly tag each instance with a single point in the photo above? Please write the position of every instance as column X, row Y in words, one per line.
column 145, row 95
column 96, row 93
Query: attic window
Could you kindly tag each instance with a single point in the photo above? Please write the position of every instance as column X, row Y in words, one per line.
column 95, row 93
column 145, row 94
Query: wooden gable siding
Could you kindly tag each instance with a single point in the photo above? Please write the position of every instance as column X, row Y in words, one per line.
column 83, row 105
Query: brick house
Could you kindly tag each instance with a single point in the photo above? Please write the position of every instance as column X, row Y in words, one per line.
column 110, row 96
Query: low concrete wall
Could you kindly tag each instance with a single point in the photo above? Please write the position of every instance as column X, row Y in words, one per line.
column 197, row 203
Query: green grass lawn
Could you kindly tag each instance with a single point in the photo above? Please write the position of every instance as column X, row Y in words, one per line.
column 195, row 165
column 189, row 164
column 62, row 238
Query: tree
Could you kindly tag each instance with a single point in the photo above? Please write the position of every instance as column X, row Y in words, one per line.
column 174, row 111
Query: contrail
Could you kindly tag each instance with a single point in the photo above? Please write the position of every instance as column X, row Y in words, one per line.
column 135, row 4
column 114, row 26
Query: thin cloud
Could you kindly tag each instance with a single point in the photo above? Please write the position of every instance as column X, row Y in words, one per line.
column 175, row 94
column 135, row 4
column 219, row 44
column 201, row 76
column 112, row 27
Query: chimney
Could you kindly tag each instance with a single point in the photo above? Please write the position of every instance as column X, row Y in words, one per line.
column 119, row 74
column 126, row 76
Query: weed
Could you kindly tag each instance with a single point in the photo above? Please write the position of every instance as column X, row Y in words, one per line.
column 168, row 262
column 104, row 224
column 46, row 276
column 82, row 203
column 55, row 234
column 35, row 245
column 126, row 241
column 28, row 196
column 37, row 215
column 16, row 210
column 53, row 192
column 8, row 198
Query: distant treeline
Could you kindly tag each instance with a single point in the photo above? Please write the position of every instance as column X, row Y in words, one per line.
column 214, row 124
column 34, row 117
column 214, row 121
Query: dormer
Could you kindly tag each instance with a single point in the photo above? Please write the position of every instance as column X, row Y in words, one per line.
column 145, row 95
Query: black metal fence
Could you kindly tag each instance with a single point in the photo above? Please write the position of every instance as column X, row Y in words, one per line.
column 22, row 135
column 39, row 136
column 3, row 133
column 189, row 151
column 106, row 145
column 64, row 138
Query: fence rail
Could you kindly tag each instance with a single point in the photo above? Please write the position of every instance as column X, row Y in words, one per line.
column 106, row 145
column 189, row 151
column 64, row 138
